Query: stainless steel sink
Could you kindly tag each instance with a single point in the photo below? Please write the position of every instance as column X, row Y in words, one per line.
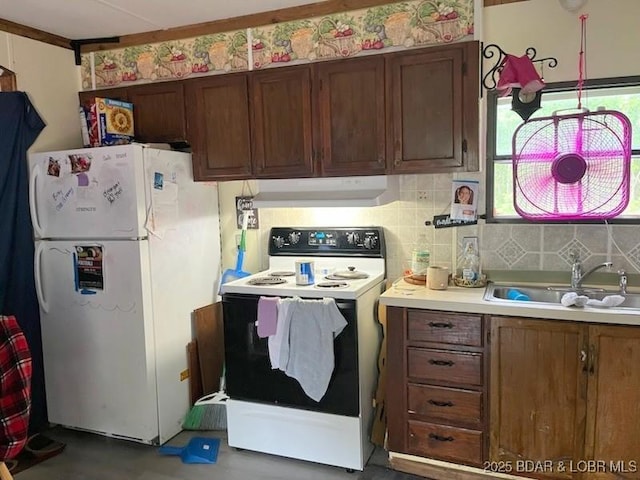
column 496, row 292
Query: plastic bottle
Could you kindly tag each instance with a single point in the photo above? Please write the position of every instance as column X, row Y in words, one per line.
column 420, row 257
column 470, row 264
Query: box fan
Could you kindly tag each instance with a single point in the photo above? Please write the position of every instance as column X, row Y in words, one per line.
column 572, row 167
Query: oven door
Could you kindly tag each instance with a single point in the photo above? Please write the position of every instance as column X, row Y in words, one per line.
column 249, row 375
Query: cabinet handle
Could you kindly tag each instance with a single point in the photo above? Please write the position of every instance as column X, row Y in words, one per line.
column 441, row 363
column 440, row 325
column 439, row 438
column 440, row 404
column 380, row 159
column 583, row 360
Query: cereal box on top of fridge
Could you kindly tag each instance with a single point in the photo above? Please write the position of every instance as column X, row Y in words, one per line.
column 115, row 121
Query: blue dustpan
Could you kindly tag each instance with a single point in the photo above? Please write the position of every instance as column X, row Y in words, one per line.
column 198, row 450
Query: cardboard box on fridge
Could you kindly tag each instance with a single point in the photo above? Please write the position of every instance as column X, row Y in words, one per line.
column 107, row 121
column 115, row 121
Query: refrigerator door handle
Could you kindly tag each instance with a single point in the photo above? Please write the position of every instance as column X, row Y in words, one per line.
column 32, row 201
column 38, row 279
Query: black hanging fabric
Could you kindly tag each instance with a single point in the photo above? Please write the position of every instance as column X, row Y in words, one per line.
column 20, row 125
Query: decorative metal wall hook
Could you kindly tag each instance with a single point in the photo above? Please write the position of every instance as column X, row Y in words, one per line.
column 490, row 78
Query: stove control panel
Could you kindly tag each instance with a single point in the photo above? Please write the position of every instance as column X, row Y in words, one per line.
column 329, row 241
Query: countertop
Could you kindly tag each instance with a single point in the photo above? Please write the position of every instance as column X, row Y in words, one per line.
column 470, row 300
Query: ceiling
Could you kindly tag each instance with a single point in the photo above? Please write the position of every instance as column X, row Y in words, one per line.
column 83, row 19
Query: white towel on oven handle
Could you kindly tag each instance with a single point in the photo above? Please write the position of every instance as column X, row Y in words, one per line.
column 280, row 340
column 313, row 325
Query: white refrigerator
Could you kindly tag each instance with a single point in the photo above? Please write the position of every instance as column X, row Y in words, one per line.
column 127, row 246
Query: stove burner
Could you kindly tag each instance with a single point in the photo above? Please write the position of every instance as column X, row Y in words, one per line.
column 285, row 273
column 332, row 285
column 266, row 281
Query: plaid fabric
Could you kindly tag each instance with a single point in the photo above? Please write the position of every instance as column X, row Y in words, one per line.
column 15, row 388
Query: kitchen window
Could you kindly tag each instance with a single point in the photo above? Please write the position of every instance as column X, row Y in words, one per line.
column 621, row 94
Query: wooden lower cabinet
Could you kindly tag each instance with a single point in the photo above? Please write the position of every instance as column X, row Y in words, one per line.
column 546, row 399
column 435, row 397
column 565, row 396
column 538, row 393
column 613, row 401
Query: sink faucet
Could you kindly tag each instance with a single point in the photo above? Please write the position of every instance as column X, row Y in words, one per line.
column 578, row 276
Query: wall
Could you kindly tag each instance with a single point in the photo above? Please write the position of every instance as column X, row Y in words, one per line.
column 611, row 51
column 49, row 76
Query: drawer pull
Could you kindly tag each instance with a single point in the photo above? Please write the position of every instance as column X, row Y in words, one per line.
column 440, row 325
column 440, row 404
column 441, row 363
column 439, row 438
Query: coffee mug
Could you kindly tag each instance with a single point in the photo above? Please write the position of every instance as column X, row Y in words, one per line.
column 437, row 277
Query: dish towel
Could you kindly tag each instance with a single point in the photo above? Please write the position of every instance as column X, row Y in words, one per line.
column 267, row 316
column 608, row 301
column 278, row 344
column 571, row 299
column 314, row 324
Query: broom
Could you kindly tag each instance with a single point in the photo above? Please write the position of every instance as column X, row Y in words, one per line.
column 208, row 413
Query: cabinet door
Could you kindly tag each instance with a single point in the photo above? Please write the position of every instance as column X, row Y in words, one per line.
column 433, row 108
column 87, row 96
column 538, row 391
column 217, row 113
column 352, row 118
column 396, row 399
column 613, row 407
column 158, row 112
column 282, row 130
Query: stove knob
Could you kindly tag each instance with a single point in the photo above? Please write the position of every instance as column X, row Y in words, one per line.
column 278, row 241
column 353, row 238
column 370, row 242
column 294, row 237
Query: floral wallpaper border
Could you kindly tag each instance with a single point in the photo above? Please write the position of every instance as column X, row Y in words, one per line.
column 359, row 32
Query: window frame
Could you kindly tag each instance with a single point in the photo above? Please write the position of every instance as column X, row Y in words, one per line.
column 492, row 157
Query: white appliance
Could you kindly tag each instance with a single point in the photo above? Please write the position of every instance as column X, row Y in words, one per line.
column 267, row 411
column 127, row 246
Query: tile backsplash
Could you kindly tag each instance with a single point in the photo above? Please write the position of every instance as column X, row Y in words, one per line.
column 502, row 246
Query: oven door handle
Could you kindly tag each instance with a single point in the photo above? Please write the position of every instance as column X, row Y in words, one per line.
column 345, row 306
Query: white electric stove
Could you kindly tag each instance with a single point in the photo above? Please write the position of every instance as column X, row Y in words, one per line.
column 268, row 411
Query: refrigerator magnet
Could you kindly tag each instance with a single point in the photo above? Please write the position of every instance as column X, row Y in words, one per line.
column 158, row 180
column 89, row 274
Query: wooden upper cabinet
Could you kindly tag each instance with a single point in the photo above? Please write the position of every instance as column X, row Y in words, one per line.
column 433, row 109
column 281, row 122
column 538, row 390
column 613, row 404
column 352, row 116
column 158, row 112
column 217, row 110
column 88, row 96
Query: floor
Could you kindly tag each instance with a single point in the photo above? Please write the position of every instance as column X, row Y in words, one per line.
column 93, row 457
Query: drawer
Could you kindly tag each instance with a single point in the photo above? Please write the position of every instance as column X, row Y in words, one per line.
column 444, row 442
column 460, row 368
column 448, row 405
column 441, row 327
